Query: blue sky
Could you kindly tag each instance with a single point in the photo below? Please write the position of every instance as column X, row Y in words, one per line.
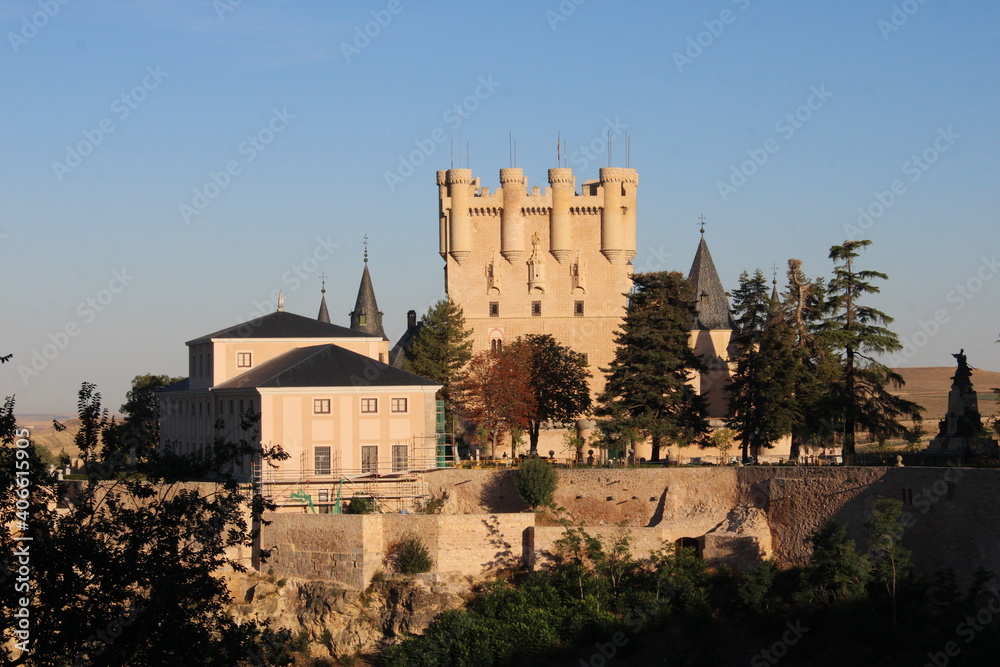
column 279, row 124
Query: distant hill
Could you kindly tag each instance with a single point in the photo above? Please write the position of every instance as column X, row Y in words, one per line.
column 928, row 387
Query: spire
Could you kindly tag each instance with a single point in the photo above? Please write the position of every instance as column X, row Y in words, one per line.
column 324, row 314
column 711, row 300
column 281, row 301
column 366, row 316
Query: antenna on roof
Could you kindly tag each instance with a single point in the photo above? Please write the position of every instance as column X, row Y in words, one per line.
column 459, row 137
column 510, row 148
column 467, row 155
column 701, row 219
column 323, row 277
column 774, row 274
column 451, row 152
column 628, row 150
column 366, row 248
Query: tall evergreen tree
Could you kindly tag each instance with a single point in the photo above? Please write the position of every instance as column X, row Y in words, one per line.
column 441, row 349
column 815, row 364
column 647, row 389
column 857, row 333
column 761, row 393
column 558, row 378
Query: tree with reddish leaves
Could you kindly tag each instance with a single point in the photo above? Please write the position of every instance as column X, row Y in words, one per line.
column 496, row 393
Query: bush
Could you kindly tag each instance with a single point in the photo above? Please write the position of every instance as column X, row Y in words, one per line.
column 536, row 482
column 412, row 556
column 360, row 505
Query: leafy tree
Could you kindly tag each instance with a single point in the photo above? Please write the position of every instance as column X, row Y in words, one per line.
column 412, row 556
column 496, row 393
column 647, row 388
column 723, row 439
column 441, row 349
column 536, row 482
column 836, row 572
column 558, row 378
column 890, row 559
column 128, row 574
column 857, row 333
column 139, row 430
column 762, row 391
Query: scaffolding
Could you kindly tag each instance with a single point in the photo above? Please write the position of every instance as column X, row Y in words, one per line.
column 397, row 485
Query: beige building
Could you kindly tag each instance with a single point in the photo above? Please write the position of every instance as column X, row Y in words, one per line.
column 324, row 393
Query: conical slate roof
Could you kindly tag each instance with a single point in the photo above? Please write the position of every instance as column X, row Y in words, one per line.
column 366, row 316
column 324, row 314
column 711, row 301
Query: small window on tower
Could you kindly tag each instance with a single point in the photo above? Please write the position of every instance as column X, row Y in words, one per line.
column 578, row 308
column 362, row 319
column 243, row 359
column 536, row 308
column 496, row 345
column 494, row 309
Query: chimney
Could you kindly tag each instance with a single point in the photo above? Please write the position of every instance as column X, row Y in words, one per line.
column 411, row 319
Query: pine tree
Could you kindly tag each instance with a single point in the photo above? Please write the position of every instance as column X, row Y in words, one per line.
column 815, row 364
column 647, row 389
column 558, row 380
column 762, row 391
column 441, row 349
column 857, row 333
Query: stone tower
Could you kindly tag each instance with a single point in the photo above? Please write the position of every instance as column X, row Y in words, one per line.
column 520, row 261
column 712, row 331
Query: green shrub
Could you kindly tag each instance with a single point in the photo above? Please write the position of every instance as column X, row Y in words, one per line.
column 360, row 505
column 536, row 482
column 412, row 556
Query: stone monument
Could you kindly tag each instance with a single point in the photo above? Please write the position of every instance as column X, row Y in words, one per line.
column 961, row 432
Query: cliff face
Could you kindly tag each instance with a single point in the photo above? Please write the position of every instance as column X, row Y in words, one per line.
column 339, row 622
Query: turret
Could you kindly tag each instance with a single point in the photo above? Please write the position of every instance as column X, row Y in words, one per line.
column 612, row 225
column 560, row 230
column 459, row 182
column 442, row 214
column 511, row 222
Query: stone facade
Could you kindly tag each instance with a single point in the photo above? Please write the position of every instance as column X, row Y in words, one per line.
column 522, row 261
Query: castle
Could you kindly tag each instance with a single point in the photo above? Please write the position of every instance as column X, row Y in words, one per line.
column 521, row 261
column 559, row 262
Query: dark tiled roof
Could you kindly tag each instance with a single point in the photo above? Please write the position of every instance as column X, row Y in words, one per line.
column 283, row 325
column 367, row 305
column 710, row 297
column 398, row 351
column 180, row 385
column 323, row 366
